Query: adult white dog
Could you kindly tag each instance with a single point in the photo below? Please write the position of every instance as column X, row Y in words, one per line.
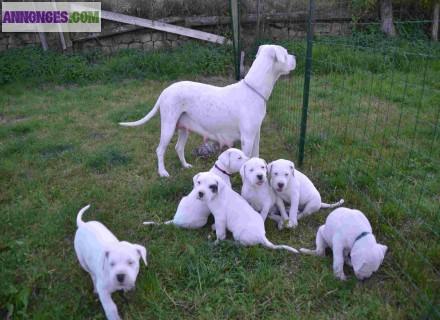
column 258, row 192
column 112, row 264
column 348, row 232
column 193, row 213
column 232, row 212
column 295, row 188
column 223, row 114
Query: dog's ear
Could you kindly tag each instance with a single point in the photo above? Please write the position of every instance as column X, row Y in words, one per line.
column 265, row 164
column 220, row 183
column 243, row 171
column 195, row 178
column 383, row 248
column 292, row 167
column 280, row 54
column 105, row 258
column 142, row 252
column 269, row 169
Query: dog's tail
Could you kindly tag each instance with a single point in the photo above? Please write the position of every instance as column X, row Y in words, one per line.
column 308, row 251
column 148, row 223
column 144, row 119
column 270, row 245
column 79, row 221
column 332, row 205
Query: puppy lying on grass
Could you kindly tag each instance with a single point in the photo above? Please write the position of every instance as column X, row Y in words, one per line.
column 192, row 213
column 258, row 192
column 296, row 189
column 348, row 232
column 112, row 264
column 232, row 212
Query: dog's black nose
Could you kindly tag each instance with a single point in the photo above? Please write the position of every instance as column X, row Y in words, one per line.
column 120, row 277
column 260, row 176
column 280, row 185
column 201, row 194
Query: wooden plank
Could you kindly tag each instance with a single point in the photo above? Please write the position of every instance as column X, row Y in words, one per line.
column 43, row 40
column 161, row 26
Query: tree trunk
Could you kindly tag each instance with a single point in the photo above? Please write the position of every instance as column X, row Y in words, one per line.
column 434, row 34
column 386, row 18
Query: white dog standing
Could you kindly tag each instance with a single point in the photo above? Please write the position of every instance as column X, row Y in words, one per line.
column 223, row 114
column 258, row 192
column 232, row 212
column 295, row 188
column 112, row 264
column 193, row 213
column 348, row 232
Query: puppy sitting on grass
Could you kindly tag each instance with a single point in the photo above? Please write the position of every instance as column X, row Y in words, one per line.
column 296, row 189
column 258, row 192
column 112, row 264
column 348, row 232
column 232, row 212
column 192, row 213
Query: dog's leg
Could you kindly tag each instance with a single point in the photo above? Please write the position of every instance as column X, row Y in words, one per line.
column 247, row 142
column 110, row 309
column 338, row 258
column 311, row 207
column 282, row 208
column 167, row 130
column 256, row 147
column 180, row 147
column 293, row 212
column 220, row 230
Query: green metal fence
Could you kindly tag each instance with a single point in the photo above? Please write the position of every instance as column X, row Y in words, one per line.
column 362, row 118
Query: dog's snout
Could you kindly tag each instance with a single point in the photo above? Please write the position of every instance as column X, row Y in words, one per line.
column 120, row 277
column 201, row 194
column 280, row 185
column 260, row 176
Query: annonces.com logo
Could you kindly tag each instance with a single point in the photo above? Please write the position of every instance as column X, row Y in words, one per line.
column 51, row 16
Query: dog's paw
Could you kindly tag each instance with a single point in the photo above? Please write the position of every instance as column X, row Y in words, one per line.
column 164, row 174
column 187, row 166
column 280, row 225
column 216, row 242
column 341, row 276
column 292, row 224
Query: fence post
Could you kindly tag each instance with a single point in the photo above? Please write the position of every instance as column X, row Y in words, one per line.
column 307, row 73
column 235, row 15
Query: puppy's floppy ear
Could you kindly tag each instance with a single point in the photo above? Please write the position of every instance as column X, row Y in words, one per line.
column 195, row 178
column 383, row 248
column 243, row 171
column 220, row 183
column 269, row 169
column 142, row 252
column 280, row 54
column 105, row 257
column 292, row 167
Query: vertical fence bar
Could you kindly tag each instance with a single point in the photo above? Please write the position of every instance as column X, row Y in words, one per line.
column 307, row 74
column 235, row 15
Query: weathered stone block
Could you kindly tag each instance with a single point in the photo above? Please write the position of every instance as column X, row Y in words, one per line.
column 157, row 36
column 146, row 37
column 135, row 45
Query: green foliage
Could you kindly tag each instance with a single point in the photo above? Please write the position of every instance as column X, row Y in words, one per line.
column 34, row 65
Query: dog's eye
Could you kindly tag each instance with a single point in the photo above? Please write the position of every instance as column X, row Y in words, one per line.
column 112, row 264
column 213, row 188
column 252, row 170
column 276, row 173
column 130, row 262
column 286, row 174
column 262, row 167
column 198, row 182
column 239, row 158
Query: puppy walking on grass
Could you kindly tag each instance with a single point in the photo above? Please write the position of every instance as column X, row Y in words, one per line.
column 233, row 213
column 112, row 264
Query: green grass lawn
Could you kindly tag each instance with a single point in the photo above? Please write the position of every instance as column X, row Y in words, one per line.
column 61, row 148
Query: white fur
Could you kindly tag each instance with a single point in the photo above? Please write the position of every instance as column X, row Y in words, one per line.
column 106, row 259
column 223, row 114
column 193, row 213
column 339, row 232
column 232, row 212
column 295, row 188
column 258, row 192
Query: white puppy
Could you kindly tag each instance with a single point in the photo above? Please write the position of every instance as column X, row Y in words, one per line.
column 349, row 234
column 223, row 114
column 295, row 188
column 258, row 192
column 112, row 264
column 232, row 212
column 193, row 213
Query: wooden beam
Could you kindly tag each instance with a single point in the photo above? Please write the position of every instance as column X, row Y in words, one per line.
column 161, row 26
